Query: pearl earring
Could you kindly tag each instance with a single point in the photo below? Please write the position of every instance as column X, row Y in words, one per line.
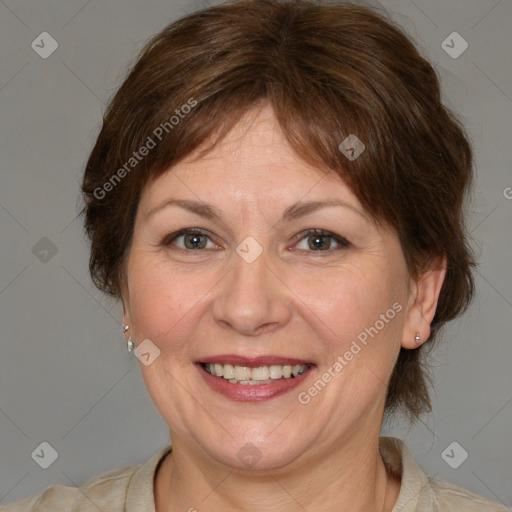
column 129, row 344
column 417, row 338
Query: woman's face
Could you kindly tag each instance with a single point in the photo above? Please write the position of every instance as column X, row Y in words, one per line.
column 254, row 289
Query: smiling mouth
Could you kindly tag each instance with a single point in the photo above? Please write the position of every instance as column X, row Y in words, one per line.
column 247, row 375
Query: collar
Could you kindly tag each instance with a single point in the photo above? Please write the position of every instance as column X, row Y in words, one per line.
column 140, row 495
column 416, row 493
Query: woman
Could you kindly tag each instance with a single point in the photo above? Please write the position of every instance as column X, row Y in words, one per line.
column 260, row 198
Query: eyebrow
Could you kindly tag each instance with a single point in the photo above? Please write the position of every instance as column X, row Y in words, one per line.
column 209, row 211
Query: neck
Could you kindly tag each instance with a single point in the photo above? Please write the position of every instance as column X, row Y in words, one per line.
column 352, row 477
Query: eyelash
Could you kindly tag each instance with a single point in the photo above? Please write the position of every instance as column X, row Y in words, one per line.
column 343, row 243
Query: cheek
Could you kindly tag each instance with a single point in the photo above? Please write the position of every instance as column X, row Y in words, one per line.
column 350, row 302
column 166, row 299
column 157, row 303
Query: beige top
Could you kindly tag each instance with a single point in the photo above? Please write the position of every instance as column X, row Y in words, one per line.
column 130, row 489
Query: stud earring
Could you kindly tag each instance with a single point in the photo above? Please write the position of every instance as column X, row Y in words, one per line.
column 417, row 338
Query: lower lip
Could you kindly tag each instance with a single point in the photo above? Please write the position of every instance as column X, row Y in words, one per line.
column 252, row 393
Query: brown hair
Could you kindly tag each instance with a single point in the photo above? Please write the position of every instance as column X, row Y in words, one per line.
column 328, row 70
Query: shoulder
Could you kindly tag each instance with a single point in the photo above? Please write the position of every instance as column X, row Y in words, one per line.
column 418, row 492
column 452, row 498
column 106, row 491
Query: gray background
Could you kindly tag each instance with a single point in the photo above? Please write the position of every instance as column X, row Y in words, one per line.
column 65, row 375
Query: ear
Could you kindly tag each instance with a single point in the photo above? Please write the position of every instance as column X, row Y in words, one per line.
column 423, row 303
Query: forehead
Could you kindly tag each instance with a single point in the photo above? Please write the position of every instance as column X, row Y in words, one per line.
column 253, row 160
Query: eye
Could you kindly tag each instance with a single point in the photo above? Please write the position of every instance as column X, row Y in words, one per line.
column 316, row 240
column 320, row 241
column 193, row 238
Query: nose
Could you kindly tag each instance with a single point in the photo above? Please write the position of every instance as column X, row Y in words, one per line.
column 252, row 298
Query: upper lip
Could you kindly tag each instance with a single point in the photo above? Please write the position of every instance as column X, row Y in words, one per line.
column 238, row 360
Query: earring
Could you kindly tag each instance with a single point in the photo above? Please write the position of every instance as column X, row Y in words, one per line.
column 417, row 338
column 129, row 344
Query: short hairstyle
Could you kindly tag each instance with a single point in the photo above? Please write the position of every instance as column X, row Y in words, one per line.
column 328, row 70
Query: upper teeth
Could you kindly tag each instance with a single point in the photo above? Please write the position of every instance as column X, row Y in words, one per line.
column 260, row 373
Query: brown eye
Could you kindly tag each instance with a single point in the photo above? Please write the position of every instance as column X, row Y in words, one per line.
column 321, row 241
column 192, row 239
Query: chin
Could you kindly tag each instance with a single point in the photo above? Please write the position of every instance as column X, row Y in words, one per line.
column 257, row 452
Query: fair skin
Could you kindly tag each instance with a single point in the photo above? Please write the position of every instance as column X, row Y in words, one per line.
column 293, row 300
